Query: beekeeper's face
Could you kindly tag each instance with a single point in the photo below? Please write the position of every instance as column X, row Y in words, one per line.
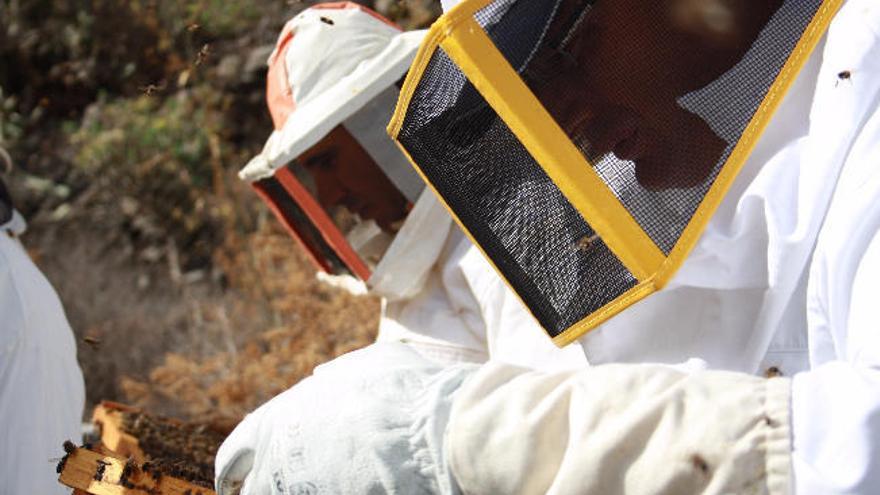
column 616, row 80
column 345, row 175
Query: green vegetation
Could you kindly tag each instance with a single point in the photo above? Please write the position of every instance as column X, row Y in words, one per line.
column 157, row 154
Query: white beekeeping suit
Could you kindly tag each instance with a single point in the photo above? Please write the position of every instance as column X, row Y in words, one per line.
column 782, row 281
column 41, row 385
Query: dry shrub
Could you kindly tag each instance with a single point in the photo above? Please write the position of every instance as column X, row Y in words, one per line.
column 307, row 323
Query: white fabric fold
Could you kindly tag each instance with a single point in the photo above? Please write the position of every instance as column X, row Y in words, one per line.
column 836, row 405
column 402, row 272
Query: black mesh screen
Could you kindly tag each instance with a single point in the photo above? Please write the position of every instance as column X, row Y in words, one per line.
column 294, row 216
column 541, row 244
column 654, row 94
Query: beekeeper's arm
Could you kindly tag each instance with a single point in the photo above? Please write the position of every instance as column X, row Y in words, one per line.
column 41, row 385
column 633, row 429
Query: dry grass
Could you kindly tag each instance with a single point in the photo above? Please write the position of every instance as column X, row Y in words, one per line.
column 199, row 345
column 312, row 324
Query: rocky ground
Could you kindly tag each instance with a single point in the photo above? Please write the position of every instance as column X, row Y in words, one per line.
column 127, row 121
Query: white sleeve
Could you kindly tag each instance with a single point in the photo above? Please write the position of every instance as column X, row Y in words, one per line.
column 370, row 421
column 836, row 406
column 636, row 429
column 41, row 386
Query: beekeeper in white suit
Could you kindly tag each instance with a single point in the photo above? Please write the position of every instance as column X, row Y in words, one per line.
column 41, row 386
column 675, row 399
column 331, row 90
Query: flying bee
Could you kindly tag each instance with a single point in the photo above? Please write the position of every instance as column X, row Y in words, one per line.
column 92, row 340
column 151, row 89
column 203, row 54
column 586, row 243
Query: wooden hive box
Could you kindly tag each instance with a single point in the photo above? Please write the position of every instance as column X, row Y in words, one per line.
column 159, row 462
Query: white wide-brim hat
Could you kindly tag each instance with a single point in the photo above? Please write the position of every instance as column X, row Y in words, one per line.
column 330, row 60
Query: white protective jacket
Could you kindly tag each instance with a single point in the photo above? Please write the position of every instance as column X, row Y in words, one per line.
column 41, row 385
column 781, row 282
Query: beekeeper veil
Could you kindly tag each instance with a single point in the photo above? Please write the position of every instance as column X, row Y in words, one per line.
column 584, row 144
column 331, row 86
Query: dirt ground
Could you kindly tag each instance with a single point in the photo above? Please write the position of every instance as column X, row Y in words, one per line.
column 185, row 295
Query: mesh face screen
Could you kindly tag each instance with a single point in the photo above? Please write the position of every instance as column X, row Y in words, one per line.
column 584, row 144
column 295, row 218
column 338, row 203
column 654, row 96
column 539, row 242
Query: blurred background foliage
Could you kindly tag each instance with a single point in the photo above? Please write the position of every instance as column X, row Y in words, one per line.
column 127, row 121
column 173, row 162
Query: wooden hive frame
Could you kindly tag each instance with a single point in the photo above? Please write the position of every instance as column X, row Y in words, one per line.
column 82, row 468
column 104, row 473
column 108, row 417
